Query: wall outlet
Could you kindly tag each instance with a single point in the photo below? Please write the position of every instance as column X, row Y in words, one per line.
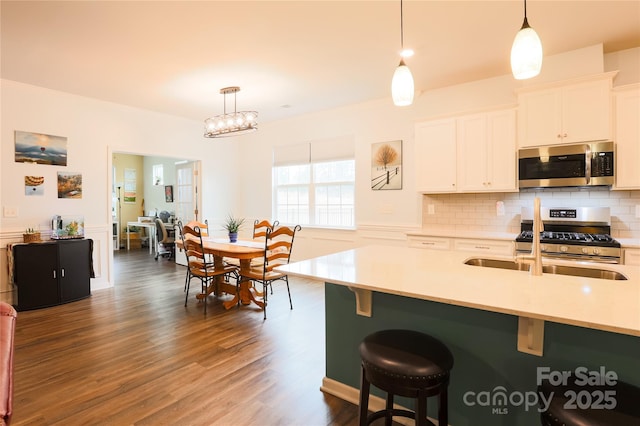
column 10, row 212
column 431, row 209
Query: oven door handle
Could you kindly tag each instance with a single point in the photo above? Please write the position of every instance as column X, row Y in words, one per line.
column 587, row 164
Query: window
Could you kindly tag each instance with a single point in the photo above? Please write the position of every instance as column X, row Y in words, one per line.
column 312, row 188
column 158, row 174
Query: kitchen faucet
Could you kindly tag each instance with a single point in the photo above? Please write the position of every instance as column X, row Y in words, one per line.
column 535, row 257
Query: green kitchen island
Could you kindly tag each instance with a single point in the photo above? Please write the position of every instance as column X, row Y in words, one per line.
column 506, row 328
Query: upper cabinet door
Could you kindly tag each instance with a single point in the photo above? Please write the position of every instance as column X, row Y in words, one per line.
column 501, row 149
column 586, row 112
column 472, row 153
column 487, row 152
column 569, row 112
column 627, row 137
column 540, row 118
column 435, row 156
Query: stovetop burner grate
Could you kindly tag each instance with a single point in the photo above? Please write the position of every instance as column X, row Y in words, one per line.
column 580, row 238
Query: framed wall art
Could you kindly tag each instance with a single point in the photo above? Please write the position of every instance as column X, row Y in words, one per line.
column 386, row 165
column 33, row 185
column 130, row 186
column 69, row 185
column 168, row 193
column 38, row 148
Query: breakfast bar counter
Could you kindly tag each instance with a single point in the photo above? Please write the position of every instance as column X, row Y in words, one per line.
column 503, row 326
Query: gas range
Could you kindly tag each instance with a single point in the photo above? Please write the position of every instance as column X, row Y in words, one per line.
column 581, row 233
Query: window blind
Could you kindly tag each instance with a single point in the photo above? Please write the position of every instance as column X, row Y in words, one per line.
column 339, row 148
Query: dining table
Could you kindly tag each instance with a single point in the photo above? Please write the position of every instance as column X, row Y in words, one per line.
column 244, row 251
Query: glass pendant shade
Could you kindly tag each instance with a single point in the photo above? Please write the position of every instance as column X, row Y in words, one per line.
column 526, row 53
column 402, row 86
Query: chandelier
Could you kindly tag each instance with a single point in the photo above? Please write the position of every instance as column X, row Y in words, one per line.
column 233, row 123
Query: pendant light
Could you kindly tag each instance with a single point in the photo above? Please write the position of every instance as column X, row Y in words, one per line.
column 526, row 52
column 402, row 83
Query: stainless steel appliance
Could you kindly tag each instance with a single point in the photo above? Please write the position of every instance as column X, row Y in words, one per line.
column 578, row 233
column 584, row 164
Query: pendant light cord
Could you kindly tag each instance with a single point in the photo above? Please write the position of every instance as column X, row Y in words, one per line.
column 402, row 27
column 525, row 23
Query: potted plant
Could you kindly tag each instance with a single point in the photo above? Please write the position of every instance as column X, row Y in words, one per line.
column 233, row 225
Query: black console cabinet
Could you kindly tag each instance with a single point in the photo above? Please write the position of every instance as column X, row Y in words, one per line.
column 52, row 273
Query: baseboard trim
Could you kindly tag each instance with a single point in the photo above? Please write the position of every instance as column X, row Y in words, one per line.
column 352, row 395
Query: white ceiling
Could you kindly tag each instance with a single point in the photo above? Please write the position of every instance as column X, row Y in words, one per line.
column 288, row 57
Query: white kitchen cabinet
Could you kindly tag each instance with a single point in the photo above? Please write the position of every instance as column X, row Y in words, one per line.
column 631, row 257
column 485, row 246
column 435, row 156
column 429, row 242
column 488, row 246
column 627, row 136
column 486, row 154
column 566, row 112
column 468, row 153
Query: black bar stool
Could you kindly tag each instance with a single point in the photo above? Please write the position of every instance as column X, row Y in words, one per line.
column 404, row 363
column 589, row 405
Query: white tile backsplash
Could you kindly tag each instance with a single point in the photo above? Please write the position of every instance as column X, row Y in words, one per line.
column 477, row 212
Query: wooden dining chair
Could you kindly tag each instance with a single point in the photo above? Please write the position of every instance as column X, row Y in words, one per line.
column 277, row 252
column 204, row 226
column 260, row 227
column 259, row 231
column 199, row 265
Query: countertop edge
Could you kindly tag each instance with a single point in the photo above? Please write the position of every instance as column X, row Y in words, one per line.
column 533, row 301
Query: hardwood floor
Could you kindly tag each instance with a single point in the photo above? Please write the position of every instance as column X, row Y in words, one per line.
column 134, row 355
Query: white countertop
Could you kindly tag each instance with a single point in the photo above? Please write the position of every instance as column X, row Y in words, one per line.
column 442, row 276
column 629, row 242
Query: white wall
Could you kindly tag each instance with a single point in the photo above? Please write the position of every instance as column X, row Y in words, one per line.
column 236, row 172
column 95, row 129
column 154, row 196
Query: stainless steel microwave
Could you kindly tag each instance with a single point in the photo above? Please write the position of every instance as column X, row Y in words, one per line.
column 581, row 164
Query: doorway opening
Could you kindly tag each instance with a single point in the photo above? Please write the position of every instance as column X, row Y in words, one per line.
column 144, row 187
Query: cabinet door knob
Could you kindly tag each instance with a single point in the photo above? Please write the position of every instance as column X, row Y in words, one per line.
column 62, row 271
column 54, row 274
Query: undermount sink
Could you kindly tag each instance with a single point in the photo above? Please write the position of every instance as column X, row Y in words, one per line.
column 577, row 271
